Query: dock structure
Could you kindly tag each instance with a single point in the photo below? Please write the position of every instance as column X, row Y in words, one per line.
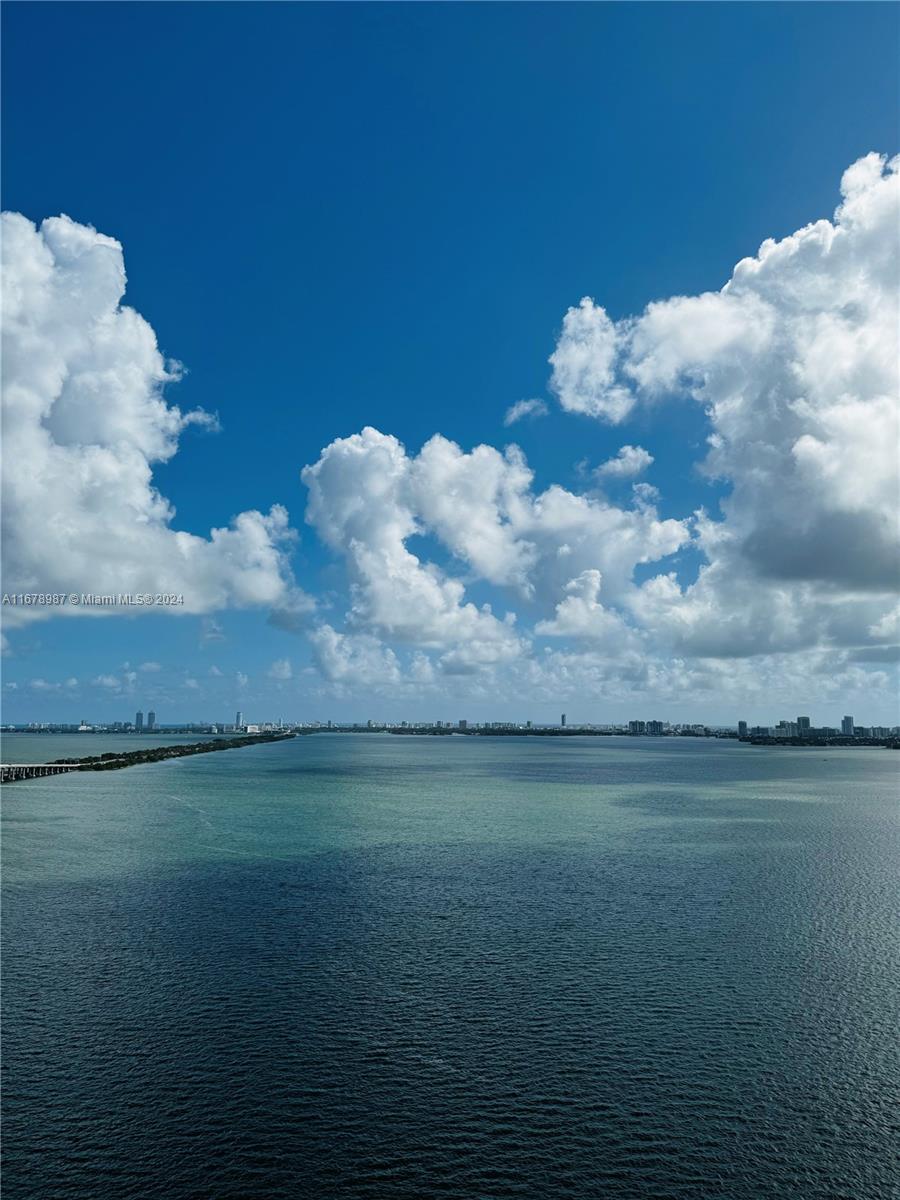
column 10, row 772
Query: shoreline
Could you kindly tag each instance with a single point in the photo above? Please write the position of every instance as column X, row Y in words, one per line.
column 111, row 761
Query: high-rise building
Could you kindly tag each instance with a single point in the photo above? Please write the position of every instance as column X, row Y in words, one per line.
column 802, row 725
column 238, row 720
column 562, row 721
column 139, row 722
column 655, row 727
column 464, row 724
column 151, row 720
column 742, row 728
column 637, row 727
column 847, row 727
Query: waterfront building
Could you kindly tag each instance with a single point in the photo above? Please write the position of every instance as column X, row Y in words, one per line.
column 139, row 722
column 742, row 728
column 151, row 721
column 802, row 725
column 562, row 721
column 239, row 719
column 847, row 726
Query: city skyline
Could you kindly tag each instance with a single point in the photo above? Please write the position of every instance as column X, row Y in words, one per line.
column 800, row 726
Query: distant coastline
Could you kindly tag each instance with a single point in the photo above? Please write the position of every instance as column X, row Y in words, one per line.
column 112, row 761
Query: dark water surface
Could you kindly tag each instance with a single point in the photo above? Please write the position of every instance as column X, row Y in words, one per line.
column 372, row 967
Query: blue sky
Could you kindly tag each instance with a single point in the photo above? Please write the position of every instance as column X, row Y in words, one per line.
column 347, row 215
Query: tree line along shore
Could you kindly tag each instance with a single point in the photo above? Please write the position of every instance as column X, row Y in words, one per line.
column 113, row 761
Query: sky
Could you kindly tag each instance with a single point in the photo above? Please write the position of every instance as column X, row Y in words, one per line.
column 461, row 360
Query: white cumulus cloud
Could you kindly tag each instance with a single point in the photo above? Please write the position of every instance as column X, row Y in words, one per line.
column 795, row 361
column 580, row 614
column 361, row 501
column 359, row 659
column 629, row 462
column 584, row 365
column 369, row 497
column 525, row 408
column 85, row 418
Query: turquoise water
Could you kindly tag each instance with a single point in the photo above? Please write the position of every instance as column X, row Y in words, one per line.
column 371, row 966
column 47, row 747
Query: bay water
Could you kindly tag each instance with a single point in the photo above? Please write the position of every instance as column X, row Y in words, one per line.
column 371, row 966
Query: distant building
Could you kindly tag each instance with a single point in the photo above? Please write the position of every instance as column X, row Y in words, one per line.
column 655, row 728
column 139, row 722
column 802, row 725
column 637, row 727
column 464, row 724
column 528, row 725
column 847, row 727
column 742, row 729
column 239, row 719
column 562, row 721
column 151, row 720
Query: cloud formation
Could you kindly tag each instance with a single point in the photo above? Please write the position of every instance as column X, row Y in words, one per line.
column 358, row 659
column 281, row 670
column 525, row 408
column 85, row 418
column 368, row 497
column 584, row 363
column 795, row 361
column 580, row 614
column 628, row 463
column 465, row 579
column 363, row 501
column 795, row 364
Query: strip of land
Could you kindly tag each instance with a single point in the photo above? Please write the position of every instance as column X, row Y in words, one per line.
column 11, row 772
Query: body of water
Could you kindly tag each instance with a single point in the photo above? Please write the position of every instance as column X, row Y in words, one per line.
column 369, row 967
column 48, row 747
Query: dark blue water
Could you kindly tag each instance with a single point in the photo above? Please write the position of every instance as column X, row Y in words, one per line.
column 383, row 967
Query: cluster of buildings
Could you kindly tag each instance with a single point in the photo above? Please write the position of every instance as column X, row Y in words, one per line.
column 802, row 727
column 630, row 728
